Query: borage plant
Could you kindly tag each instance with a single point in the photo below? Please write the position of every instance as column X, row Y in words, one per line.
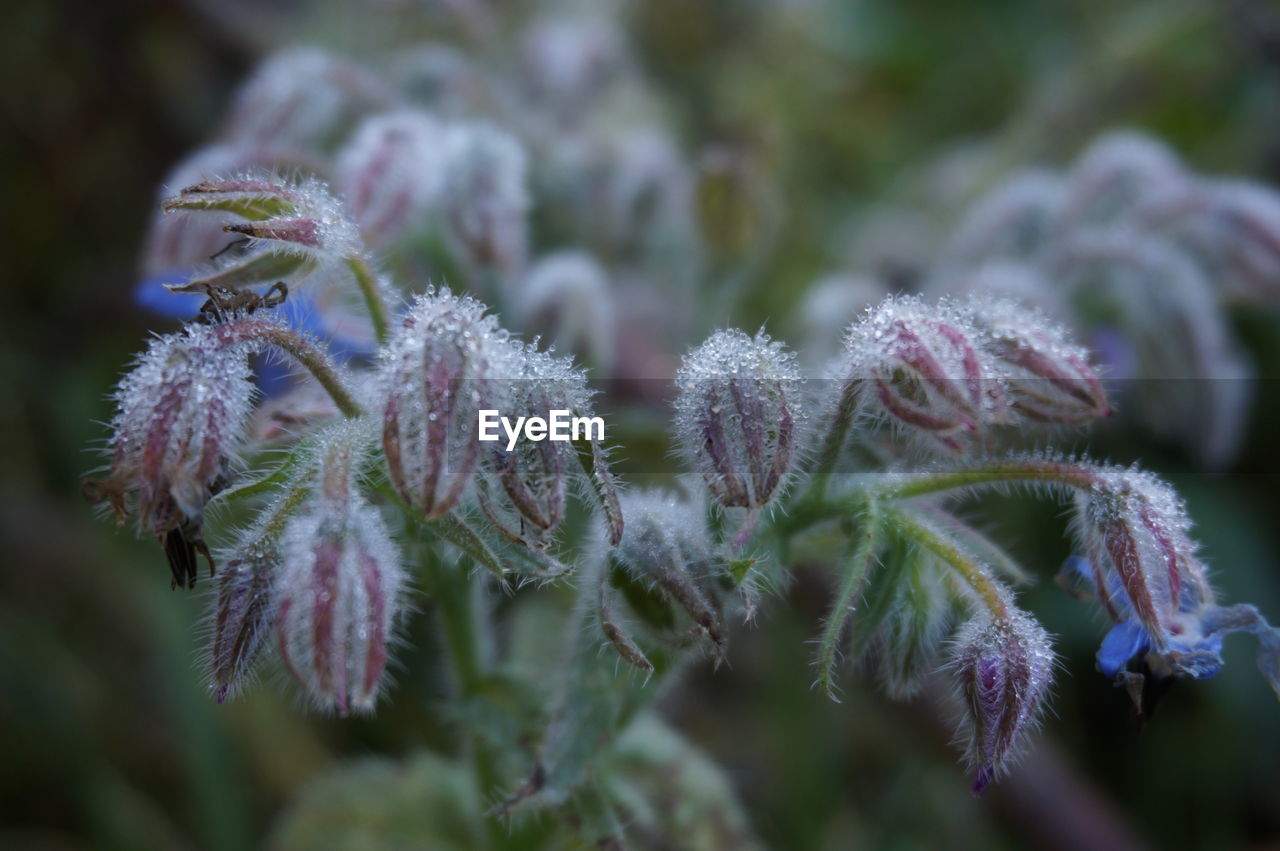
column 381, row 442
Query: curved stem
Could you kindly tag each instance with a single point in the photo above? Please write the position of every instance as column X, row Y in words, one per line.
column 374, row 301
column 988, row 590
column 855, row 580
column 1063, row 473
column 316, row 362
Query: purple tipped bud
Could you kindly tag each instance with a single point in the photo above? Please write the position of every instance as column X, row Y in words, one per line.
column 339, row 595
column 926, row 366
column 737, row 415
column 243, row 611
column 1004, row 667
column 391, row 171
column 485, row 198
column 302, row 98
column 438, row 373
column 181, row 417
column 1049, row 378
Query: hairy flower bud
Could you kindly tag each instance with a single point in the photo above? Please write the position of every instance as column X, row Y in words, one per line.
column 568, row 60
column 1004, row 666
column 1048, row 377
column 666, row 545
column 391, row 172
column 181, row 416
column 301, row 222
column 243, row 609
column 1011, row 222
column 927, row 367
column 485, row 200
column 339, row 595
column 737, row 414
column 532, row 477
column 437, row 373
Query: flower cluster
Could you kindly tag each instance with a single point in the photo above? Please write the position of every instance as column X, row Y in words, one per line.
column 433, row 167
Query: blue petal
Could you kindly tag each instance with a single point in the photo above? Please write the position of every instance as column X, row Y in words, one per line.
column 1122, row 643
column 152, row 295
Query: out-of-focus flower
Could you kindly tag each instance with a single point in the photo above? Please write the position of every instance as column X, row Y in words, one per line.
column 438, row 371
column 391, row 172
column 567, row 296
column 1004, row 665
column 737, row 416
column 569, row 60
column 303, row 99
column 485, row 199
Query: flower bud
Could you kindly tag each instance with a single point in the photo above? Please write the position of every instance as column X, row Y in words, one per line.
column 1049, row 378
column 181, row 416
column 437, row 373
column 666, row 545
column 391, row 172
column 736, row 416
column 298, row 221
column 1115, row 175
column 524, row 489
column 567, row 296
column 243, row 609
column 485, row 198
column 1004, row 666
column 1012, row 222
column 339, row 594
column 569, row 60
column 302, row 98
column 927, row 367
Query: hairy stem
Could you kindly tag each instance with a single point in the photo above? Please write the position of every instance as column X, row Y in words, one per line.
column 856, row 572
column 374, row 299
column 989, row 591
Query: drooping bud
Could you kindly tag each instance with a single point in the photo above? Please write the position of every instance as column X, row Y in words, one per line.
column 1012, row 222
column 666, row 546
column 485, row 199
column 1116, row 174
column 181, row 417
column 567, row 296
column 525, row 485
column 1048, row 377
column 737, row 414
column 438, row 373
column 303, row 98
column 243, row 611
column 926, row 366
column 1004, row 666
column 340, row 587
column 569, row 60
column 1136, row 535
column 391, row 171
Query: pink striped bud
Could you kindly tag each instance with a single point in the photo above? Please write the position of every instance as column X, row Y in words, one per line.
column 339, row 596
column 1136, row 534
column 390, row 173
column 181, row 417
column 1048, row 377
column 1004, row 667
column 438, row 373
column 736, row 416
column 926, row 367
column 523, row 491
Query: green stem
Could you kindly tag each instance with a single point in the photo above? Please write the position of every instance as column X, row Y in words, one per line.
column 991, row 593
column 371, row 290
column 1062, row 473
column 316, row 362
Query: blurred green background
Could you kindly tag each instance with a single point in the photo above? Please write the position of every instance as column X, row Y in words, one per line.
column 107, row 738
